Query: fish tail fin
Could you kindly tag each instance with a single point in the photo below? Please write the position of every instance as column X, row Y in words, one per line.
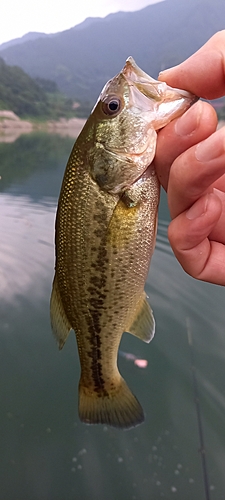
column 119, row 408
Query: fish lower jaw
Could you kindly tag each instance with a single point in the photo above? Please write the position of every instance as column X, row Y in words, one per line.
column 148, row 148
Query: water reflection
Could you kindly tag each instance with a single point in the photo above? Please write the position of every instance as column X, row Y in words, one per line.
column 11, row 130
column 46, row 452
column 36, row 155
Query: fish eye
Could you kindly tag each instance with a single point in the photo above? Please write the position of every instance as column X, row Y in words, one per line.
column 111, row 105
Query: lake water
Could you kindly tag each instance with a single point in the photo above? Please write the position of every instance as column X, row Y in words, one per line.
column 46, row 453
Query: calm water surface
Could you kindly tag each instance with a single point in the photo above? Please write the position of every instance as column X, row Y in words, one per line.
column 46, row 453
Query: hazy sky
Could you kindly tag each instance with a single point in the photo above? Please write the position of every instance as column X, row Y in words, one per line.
column 18, row 17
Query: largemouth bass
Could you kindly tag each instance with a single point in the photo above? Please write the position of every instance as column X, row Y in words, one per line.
column 105, row 236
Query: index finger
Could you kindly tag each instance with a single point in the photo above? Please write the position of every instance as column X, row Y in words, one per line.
column 203, row 73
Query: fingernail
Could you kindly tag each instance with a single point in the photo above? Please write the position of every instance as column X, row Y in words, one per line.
column 199, row 208
column 189, row 121
column 211, row 148
column 165, row 72
column 219, row 193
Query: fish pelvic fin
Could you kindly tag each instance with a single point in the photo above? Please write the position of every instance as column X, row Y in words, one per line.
column 142, row 322
column 59, row 322
column 120, row 408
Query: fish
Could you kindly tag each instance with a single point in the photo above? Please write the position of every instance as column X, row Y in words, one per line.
column 105, row 235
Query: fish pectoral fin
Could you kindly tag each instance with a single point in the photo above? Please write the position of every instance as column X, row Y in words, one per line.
column 143, row 323
column 60, row 324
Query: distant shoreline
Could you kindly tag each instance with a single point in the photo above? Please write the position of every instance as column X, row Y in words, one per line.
column 11, row 126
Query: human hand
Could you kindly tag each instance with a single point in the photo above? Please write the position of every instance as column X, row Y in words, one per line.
column 190, row 163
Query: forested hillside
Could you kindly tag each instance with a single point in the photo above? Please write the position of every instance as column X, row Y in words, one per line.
column 31, row 98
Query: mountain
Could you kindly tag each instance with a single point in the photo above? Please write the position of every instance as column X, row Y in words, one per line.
column 32, row 35
column 82, row 59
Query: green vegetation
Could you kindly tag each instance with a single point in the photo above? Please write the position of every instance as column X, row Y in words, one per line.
column 29, row 98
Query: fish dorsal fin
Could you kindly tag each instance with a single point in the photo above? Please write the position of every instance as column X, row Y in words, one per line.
column 143, row 323
column 60, row 324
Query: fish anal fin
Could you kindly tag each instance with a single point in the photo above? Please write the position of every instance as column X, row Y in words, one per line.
column 59, row 322
column 142, row 322
column 120, row 408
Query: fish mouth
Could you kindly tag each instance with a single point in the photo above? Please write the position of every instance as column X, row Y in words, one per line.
column 151, row 88
column 148, row 94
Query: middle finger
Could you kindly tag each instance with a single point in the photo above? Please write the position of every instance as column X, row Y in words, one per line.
column 195, row 171
column 195, row 125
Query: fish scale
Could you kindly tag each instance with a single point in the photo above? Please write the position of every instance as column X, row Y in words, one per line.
column 105, row 236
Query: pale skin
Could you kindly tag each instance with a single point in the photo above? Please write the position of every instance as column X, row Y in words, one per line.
column 190, row 163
